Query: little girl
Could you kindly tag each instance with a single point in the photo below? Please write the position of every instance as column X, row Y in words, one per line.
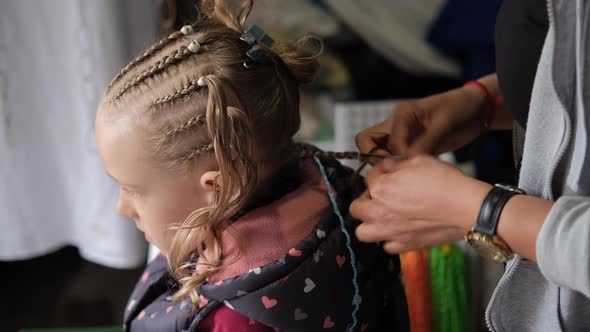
column 253, row 230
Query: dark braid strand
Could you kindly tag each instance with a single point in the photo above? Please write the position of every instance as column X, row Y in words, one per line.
column 306, row 152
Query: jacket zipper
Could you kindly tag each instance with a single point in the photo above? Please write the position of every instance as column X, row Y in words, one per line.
column 548, row 190
column 501, row 284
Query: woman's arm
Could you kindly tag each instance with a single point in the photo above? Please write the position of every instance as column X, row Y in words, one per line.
column 520, row 222
column 422, row 202
column 554, row 234
column 563, row 244
column 502, row 118
column 438, row 123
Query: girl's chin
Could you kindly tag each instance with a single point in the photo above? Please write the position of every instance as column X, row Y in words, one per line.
column 155, row 250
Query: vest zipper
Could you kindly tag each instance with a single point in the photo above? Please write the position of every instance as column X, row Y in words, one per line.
column 512, row 268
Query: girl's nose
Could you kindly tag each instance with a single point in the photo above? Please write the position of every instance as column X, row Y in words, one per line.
column 125, row 208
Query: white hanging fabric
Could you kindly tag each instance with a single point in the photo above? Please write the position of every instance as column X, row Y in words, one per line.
column 56, row 58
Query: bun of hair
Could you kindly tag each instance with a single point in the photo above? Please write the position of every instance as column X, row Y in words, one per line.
column 231, row 13
column 300, row 58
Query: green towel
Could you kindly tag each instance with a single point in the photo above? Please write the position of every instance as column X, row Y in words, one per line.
column 449, row 289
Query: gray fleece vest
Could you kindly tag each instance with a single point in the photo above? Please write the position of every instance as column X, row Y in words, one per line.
column 554, row 294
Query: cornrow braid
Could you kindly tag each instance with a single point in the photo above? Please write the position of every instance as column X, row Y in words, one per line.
column 185, row 91
column 305, row 153
column 196, row 152
column 147, row 53
column 183, row 53
column 196, row 120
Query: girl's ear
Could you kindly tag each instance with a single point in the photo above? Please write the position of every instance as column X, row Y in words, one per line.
column 211, row 181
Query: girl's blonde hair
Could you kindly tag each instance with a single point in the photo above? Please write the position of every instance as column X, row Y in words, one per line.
column 246, row 117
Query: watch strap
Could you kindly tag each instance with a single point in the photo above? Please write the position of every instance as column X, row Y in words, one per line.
column 491, row 208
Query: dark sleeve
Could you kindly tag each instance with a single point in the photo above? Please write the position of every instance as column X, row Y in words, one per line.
column 521, row 27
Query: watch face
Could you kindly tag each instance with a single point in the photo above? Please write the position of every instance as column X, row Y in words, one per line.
column 485, row 249
column 489, row 249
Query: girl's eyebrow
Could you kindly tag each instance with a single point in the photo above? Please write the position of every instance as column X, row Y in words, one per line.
column 119, row 182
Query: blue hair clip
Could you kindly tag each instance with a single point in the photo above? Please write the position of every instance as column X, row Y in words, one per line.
column 255, row 36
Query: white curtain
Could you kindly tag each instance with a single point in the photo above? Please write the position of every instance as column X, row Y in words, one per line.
column 56, row 58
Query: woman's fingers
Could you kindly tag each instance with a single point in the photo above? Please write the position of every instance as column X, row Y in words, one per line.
column 373, row 138
column 369, row 232
column 360, row 207
column 387, row 165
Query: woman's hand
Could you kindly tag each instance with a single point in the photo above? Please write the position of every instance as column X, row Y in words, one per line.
column 417, row 203
column 434, row 124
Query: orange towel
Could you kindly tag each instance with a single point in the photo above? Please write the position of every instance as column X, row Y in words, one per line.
column 416, row 277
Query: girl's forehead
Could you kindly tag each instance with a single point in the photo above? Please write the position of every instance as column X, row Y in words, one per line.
column 121, row 147
column 124, row 149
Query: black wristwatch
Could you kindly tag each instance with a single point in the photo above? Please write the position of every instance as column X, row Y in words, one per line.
column 483, row 236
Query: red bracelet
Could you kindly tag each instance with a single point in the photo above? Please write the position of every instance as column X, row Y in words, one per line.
column 490, row 111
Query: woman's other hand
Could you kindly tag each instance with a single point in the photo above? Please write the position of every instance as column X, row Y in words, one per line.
column 417, row 203
column 434, row 124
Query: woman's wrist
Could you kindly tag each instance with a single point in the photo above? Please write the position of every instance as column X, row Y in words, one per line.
column 485, row 94
column 521, row 221
column 472, row 195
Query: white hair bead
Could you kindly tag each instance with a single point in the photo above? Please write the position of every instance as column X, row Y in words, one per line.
column 201, row 82
column 194, row 46
column 187, row 29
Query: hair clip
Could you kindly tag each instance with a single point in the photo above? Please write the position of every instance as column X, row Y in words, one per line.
column 201, row 82
column 256, row 54
column 255, row 36
column 252, row 34
column 186, row 30
column 194, row 46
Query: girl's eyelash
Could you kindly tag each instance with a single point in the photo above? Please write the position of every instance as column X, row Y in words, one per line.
column 128, row 191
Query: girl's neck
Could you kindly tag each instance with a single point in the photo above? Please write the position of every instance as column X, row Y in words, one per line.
column 286, row 179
